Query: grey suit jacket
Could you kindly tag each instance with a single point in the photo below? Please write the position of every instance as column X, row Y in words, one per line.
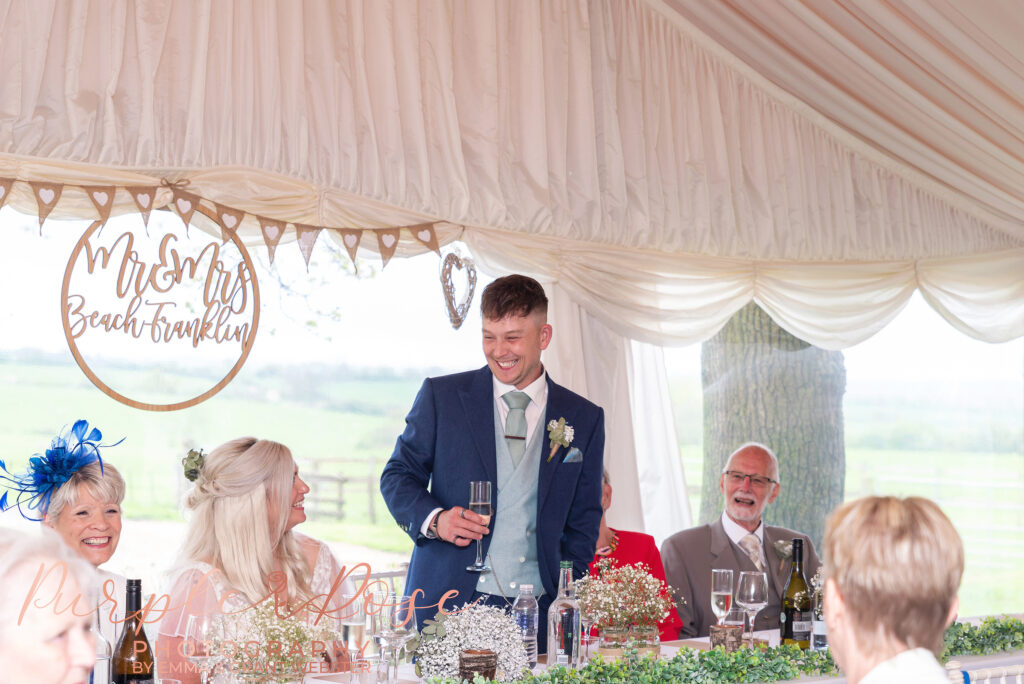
column 689, row 556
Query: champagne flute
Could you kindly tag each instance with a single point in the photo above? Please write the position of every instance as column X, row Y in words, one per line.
column 203, row 636
column 752, row 594
column 480, row 503
column 393, row 624
column 721, row 592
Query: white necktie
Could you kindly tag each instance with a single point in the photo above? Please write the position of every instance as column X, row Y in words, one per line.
column 752, row 546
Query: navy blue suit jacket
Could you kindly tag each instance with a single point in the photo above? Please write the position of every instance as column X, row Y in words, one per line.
column 449, row 441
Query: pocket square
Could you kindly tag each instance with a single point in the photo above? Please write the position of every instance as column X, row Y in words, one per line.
column 574, row 456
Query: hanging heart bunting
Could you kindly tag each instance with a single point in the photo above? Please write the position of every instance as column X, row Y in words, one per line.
column 185, row 203
column 47, row 195
column 102, row 198
column 306, row 237
column 387, row 242
column 228, row 219
column 272, row 231
column 143, row 197
column 5, row 189
column 425, row 234
column 350, row 237
column 457, row 312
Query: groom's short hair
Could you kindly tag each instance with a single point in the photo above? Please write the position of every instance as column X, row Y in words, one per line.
column 513, row 295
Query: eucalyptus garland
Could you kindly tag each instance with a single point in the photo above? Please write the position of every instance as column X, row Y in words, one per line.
column 994, row 635
column 690, row 666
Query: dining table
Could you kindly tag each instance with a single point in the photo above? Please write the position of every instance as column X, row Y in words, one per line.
column 1000, row 668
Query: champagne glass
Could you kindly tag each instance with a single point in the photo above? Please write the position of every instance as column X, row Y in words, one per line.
column 480, row 503
column 721, row 592
column 203, row 636
column 393, row 623
column 752, row 594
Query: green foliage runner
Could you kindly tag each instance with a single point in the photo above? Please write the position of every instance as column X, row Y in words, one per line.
column 993, row 635
column 688, row 666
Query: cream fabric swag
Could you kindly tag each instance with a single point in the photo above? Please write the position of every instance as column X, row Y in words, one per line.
column 610, row 145
column 659, row 164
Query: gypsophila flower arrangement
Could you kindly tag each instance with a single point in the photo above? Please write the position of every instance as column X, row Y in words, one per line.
column 473, row 626
column 274, row 645
column 624, row 596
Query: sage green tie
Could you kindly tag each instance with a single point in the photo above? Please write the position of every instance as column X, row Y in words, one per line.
column 515, row 424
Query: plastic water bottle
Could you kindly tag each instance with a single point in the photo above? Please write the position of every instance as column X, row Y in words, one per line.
column 527, row 613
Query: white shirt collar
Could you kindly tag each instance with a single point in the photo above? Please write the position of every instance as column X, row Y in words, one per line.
column 536, row 390
column 735, row 532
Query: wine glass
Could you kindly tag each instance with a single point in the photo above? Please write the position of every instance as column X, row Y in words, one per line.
column 587, row 618
column 352, row 620
column 480, row 503
column 393, row 623
column 752, row 594
column 203, row 637
column 104, row 651
column 721, row 592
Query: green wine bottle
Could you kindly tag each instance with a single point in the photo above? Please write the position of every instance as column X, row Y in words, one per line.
column 132, row 662
column 795, row 618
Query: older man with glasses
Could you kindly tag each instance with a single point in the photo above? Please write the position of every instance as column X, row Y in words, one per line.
column 738, row 541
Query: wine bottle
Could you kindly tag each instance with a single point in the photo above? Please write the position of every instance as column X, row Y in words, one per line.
column 819, row 632
column 133, row 662
column 795, row 617
column 564, row 622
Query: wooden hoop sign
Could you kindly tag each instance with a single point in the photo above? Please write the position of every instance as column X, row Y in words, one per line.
column 143, row 308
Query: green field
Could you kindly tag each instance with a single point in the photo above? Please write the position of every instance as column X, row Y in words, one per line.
column 340, row 422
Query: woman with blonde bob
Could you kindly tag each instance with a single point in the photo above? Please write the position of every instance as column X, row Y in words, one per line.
column 76, row 493
column 39, row 642
column 240, row 549
column 893, row 569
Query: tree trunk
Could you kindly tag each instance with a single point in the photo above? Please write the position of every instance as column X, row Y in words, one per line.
column 762, row 384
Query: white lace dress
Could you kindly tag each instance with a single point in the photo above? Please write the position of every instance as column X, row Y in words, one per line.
column 197, row 589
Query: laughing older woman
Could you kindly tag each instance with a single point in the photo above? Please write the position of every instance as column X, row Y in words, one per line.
column 74, row 492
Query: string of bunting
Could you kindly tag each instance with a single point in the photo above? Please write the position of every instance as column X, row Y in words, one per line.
column 186, row 203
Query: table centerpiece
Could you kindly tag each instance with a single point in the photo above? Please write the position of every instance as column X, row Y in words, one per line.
column 269, row 644
column 626, row 602
column 472, row 627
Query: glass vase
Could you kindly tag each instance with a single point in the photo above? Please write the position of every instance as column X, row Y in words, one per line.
column 615, row 639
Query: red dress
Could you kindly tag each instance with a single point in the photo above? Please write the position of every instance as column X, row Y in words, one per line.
column 637, row 547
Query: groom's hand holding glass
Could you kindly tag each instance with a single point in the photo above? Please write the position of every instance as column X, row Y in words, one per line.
column 460, row 526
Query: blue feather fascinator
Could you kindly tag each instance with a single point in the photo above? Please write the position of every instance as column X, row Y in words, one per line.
column 68, row 452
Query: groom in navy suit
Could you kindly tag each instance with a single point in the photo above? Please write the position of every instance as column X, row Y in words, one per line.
column 495, row 424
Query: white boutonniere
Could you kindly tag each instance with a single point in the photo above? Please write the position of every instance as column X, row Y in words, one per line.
column 784, row 550
column 559, row 434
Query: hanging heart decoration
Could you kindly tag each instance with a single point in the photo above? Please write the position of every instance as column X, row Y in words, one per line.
column 457, row 312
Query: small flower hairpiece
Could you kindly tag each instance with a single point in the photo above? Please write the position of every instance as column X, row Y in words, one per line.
column 193, row 463
column 69, row 452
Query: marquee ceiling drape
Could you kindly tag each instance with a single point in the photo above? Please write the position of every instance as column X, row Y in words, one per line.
column 665, row 162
